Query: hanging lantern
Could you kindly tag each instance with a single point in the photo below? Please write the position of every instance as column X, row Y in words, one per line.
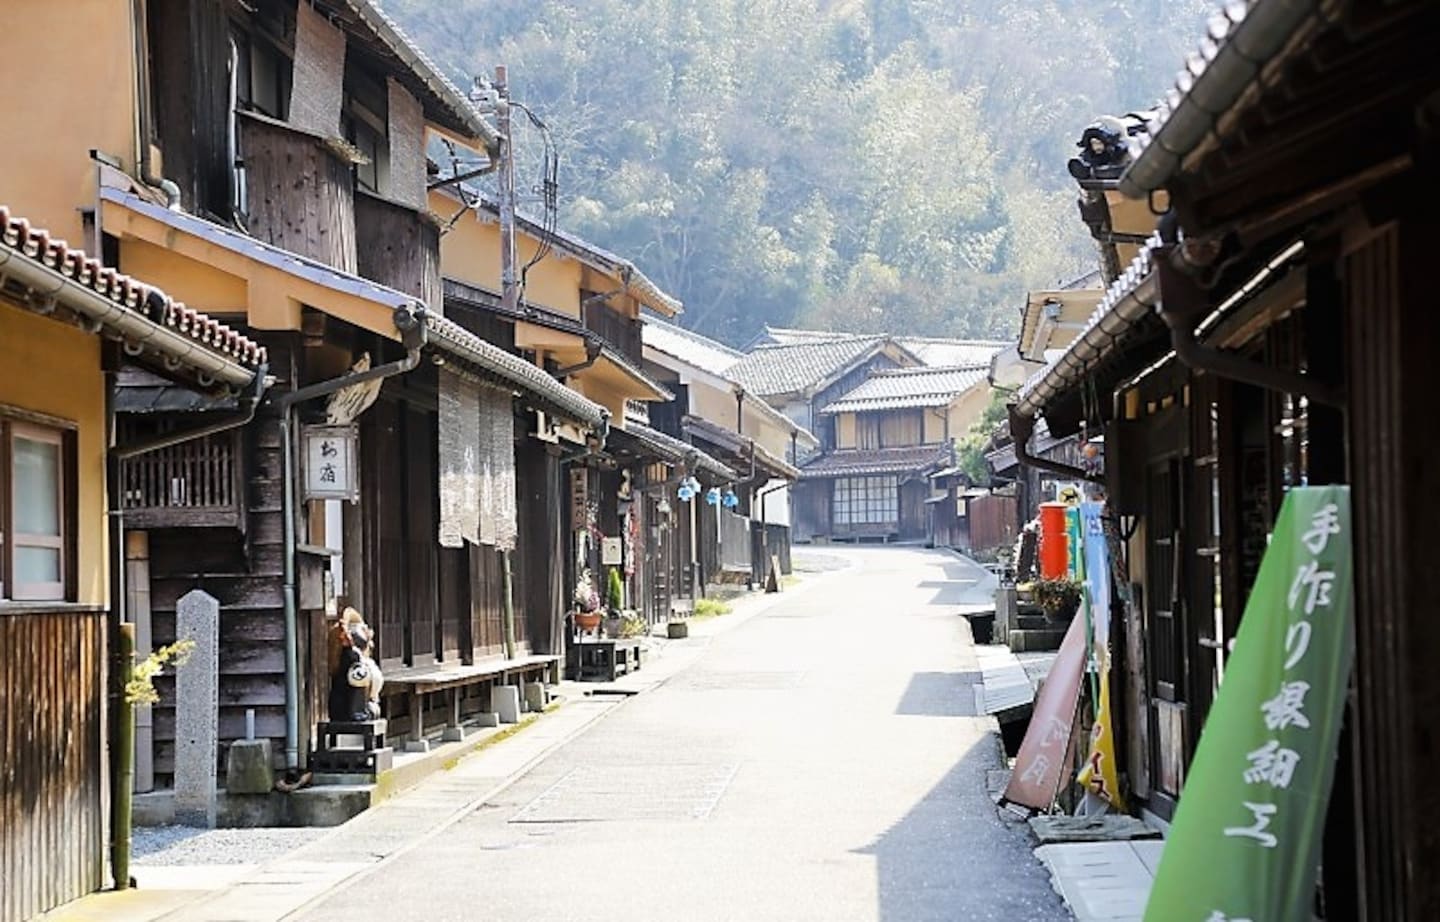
column 712, row 496
column 731, row 500
column 684, row 493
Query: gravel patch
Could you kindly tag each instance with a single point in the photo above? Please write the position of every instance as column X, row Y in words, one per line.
column 185, row 845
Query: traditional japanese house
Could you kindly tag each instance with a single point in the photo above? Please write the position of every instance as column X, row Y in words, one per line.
column 68, row 326
column 578, row 318
column 802, row 374
column 715, row 412
column 892, row 431
column 1274, row 333
column 292, row 201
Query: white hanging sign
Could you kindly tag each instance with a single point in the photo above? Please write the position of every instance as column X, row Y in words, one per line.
column 330, row 468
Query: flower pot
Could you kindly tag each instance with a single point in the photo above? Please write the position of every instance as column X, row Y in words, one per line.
column 677, row 630
column 612, row 627
column 587, row 620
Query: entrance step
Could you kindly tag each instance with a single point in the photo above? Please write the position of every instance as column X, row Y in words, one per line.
column 1030, row 641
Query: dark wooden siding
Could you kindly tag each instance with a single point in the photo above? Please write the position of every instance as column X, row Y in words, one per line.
column 1392, row 332
column 540, row 597
column 52, row 831
column 301, row 195
column 993, row 521
column 616, row 329
column 810, row 502
column 244, row 571
column 913, row 522
column 399, row 247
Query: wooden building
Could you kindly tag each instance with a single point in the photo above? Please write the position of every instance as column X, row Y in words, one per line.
column 1274, row 332
column 68, row 325
column 714, row 412
column 892, row 431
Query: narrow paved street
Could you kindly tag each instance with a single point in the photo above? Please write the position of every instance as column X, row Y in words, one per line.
column 819, row 761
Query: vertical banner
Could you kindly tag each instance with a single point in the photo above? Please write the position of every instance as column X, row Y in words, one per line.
column 1245, row 843
column 1040, row 764
column 1099, row 775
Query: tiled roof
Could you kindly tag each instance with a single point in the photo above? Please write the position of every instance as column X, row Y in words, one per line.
column 534, row 385
column 130, row 296
column 846, row 462
column 674, row 450
column 1242, row 37
column 909, row 387
column 690, row 348
column 931, row 350
column 949, row 353
column 1128, row 299
column 778, row 369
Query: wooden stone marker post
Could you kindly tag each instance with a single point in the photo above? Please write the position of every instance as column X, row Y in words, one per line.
column 197, row 707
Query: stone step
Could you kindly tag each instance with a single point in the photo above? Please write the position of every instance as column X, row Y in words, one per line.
column 1023, row 641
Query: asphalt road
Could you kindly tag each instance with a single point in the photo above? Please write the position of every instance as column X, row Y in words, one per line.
column 820, row 761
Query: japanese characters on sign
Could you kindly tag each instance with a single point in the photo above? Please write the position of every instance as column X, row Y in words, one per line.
column 1245, row 840
column 330, row 469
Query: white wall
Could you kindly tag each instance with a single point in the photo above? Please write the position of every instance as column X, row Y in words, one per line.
column 777, row 506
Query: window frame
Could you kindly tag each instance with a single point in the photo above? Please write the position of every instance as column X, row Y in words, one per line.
column 14, row 425
column 866, row 500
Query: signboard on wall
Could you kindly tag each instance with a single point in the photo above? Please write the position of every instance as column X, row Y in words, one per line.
column 330, row 468
column 579, row 497
column 612, row 551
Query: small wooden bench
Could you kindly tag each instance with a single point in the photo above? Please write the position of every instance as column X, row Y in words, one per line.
column 418, row 682
column 602, row 658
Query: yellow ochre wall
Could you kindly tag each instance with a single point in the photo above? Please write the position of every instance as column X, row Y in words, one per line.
column 470, row 252
column 53, row 368
column 84, row 49
column 845, row 430
column 967, row 408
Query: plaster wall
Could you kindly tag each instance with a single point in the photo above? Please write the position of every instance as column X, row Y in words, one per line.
column 73, row 89
column 52, row 368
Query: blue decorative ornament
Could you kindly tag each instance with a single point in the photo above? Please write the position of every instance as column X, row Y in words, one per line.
column 685, row 493
column 731, row 500
column 712, row 496
column 693, row 484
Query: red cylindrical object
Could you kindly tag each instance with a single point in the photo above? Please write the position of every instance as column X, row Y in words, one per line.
column 1054, row 545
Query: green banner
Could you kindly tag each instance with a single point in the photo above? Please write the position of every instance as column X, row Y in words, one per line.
column 1245, row 843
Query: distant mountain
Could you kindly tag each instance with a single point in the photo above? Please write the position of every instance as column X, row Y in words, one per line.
column 850, row 164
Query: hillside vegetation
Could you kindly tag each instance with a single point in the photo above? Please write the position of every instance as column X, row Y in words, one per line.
column 849, row 164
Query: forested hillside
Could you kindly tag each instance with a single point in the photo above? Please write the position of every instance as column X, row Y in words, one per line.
column 851, row 164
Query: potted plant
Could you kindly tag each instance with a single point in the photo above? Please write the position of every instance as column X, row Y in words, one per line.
column 586, row 601
column 614, row 602
column 1058, row 598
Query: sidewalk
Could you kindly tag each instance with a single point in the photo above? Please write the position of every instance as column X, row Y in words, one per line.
column 276, row 888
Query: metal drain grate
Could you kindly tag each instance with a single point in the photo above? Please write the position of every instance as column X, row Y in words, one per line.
column 740, row 681
column 597, row 794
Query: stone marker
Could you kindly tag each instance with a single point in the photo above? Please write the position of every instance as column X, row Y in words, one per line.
column 197, row 703
column 487, row 719
column 248, row 768
column 535, row 696
column 505, row 701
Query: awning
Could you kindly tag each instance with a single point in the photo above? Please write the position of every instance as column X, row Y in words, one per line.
column 673, row 451
column 49, row 275
column 277, row 281
column 745, row 450
column 532, row 385
column 857, row 462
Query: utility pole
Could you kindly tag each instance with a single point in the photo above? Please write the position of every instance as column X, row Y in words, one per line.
column 509, row 282
column 509, row 288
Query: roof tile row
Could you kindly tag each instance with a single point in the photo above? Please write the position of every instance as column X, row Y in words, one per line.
column 36, row 243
